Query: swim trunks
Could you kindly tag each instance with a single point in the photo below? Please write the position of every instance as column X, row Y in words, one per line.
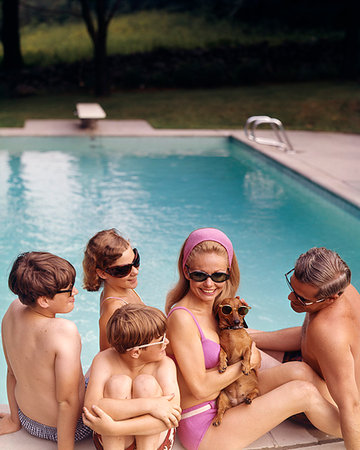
column 196, row 420
column 292, row 356
column 50, row 433
column 167, row 443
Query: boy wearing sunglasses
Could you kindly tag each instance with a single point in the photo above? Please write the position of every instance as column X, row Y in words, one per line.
column 330, row 336
column 45, row 381
column 134, row 383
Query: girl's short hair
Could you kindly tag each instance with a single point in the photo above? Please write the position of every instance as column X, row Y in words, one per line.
column 133, row 325
column 324, row 269
column 101, row 252
column 183, row 285
column 37, row 274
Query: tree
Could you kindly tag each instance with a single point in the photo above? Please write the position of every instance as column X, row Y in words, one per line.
column 10, row 35
column 97, row 15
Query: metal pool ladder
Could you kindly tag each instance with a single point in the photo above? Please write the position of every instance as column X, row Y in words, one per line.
column 281, row 140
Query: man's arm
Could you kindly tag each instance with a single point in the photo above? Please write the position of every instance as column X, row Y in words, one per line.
column 335, row 359
column 286, row 340
column 68, row 373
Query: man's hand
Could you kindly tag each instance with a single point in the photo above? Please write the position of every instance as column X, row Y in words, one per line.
column 164, row 410
column 7, row 425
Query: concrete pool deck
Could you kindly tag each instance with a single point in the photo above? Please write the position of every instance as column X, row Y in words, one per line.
column 331, row 160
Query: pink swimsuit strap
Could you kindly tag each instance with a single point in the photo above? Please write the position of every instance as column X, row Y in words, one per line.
column 211, row 349
column 116, row 298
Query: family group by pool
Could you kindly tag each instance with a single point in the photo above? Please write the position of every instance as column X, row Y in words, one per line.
column 57, row 192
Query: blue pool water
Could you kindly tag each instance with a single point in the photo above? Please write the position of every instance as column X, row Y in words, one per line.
column 55, row 193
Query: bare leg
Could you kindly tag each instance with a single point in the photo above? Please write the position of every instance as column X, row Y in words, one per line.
column 118, row 386
column 246, row 423
column 147, row 386
column 268, row 360
column 276, row 376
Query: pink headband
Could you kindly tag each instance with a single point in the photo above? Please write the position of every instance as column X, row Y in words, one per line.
column 207, row 234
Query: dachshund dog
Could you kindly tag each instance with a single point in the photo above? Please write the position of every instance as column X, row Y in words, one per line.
column 235, row 345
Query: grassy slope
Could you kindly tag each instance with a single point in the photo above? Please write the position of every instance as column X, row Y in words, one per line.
column 308, row 106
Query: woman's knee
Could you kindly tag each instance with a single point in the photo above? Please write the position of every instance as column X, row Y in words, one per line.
column 118, row 386
column 145, row 385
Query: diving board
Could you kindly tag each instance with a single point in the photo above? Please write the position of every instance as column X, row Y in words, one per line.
column 89, row 114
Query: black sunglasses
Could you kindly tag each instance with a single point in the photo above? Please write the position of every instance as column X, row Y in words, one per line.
column 123, row 271
column 70, row 290
column 217, row 277
column 302, row 300
column 228, row 309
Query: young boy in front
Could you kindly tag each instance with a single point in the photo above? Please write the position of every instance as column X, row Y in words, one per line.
column 45, row 382
column 134, row 383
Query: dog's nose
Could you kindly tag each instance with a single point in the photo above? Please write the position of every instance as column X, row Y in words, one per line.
column 236, row 321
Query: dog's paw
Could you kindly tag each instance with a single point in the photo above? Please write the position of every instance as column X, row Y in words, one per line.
column 247, row 400
column 222, row 369
column 245, row 372
column 216, row 423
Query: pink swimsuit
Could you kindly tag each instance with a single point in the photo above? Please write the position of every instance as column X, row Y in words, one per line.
column 196, row 420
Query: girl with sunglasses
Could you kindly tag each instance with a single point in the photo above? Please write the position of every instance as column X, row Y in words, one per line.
column 208, row 271
column 110, row 262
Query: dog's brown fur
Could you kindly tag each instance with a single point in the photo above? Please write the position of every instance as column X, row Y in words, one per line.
column 235, row 346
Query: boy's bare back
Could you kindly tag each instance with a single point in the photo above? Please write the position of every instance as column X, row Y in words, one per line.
column 38, row 349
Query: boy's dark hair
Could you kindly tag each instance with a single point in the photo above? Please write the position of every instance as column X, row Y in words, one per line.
column 133, row 325
column 37, row 274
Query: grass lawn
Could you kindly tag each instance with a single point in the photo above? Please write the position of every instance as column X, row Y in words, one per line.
column 320, row 106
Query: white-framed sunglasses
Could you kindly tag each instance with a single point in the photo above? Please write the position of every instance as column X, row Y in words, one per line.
column 162, row 342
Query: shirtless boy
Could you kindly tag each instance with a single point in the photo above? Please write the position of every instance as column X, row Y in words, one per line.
column 330, row 336
column 45, row 382
column 134, row 382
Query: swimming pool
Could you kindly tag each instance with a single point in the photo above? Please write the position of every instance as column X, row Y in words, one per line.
column 55, row 193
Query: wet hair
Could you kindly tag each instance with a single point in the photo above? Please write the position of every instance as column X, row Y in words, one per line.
column 37, row 274
column 183, row 285
column 324, row 269
column 101, row 252
column 133, row 325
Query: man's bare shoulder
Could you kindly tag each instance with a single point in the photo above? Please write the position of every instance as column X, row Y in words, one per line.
column 332, row 326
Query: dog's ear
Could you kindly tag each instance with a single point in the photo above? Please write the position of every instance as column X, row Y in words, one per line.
column 216, row 309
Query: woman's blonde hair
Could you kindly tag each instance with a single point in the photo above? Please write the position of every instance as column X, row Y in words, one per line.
column 133, row 325
column 101, row 252
column 182, row 287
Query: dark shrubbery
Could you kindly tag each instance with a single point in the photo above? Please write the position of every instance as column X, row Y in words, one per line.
column 227, row 66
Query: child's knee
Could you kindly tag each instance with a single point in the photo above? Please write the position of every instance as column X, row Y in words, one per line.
column 118, row 386
column 146, row 386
